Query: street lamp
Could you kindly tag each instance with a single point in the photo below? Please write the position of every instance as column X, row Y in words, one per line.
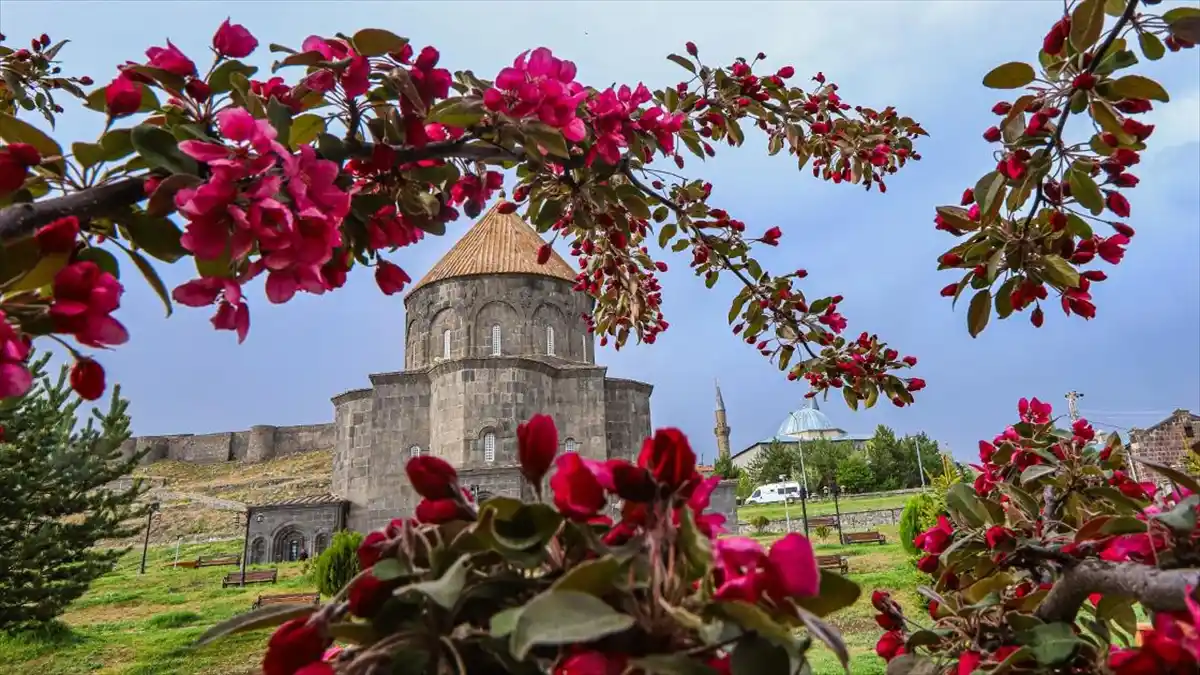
column 146, row 543
column 787, row 514
column 837, row 510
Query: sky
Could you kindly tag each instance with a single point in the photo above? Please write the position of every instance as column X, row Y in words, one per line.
column 1138, row 360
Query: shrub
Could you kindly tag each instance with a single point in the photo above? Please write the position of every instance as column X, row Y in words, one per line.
column 174, row 619
column 760, row 524
column 910, row 522
column 338, row 564
column 823, row 532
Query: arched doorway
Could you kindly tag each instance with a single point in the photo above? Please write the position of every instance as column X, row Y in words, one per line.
column 289, row 544
column 258, row 551
column 320, row 543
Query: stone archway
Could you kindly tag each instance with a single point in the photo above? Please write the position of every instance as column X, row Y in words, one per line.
column 320, row 543
column 289, row 544
column 258, row 551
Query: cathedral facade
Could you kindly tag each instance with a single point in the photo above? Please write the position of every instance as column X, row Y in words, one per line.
column 491, row 339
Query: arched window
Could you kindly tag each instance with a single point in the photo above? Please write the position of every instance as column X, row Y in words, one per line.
column 570, row 445
column 320, row 543
column 550, row 340
column 496, row 339
column 414, row 451
column 489, row 448
column 446, row 344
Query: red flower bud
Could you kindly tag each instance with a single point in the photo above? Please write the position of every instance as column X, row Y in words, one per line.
column 992, row 134
column 949, row 290
column 669, row 458
column 968, row 196
column 59, row 236
column 537, row 444
column 1084, row 81
column 950, row 259
column 1036, row 317
column 1116, row 202
column 87, row 379
column 431, row 477
column 691, row 48
column 786, row 72
column 543, row 254
column 506, row 207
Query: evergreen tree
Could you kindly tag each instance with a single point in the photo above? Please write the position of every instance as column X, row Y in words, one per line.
column 53, row 473
column 775, row 460
column 725, row 468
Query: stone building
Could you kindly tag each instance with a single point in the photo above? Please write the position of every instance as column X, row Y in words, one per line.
column 491, row 338
column 1164, row 443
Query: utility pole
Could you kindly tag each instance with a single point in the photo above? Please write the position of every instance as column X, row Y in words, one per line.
column 1073, row 404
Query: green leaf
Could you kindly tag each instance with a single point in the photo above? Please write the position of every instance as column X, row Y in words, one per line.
column 1051, row 643
column 152, row 278
column 389, row 569
column 529, row 526
column 1184, row 23
column 1003, row 299
column 377, row 42
column 684, row 63
column 1118, row 610
column 263, row 617
column 1011, row 75
column 751, row 618
column 445, row 590
column 1137, row 86
column 1032, row 473
column 1059, row 272
column 1124, row 525
column 160, row 150
column 827, row 634
column 157, row 236
column 280, row 117
column 40, row 269
column 1023, row 499
column 117, row 143
column 549, row 138
column 837, row 592
column 987, row 191
column 103, row 259
column 15, row 130
column 305, row 129
column 332, row 148
column 961, row 499
column 851, row 397
column 564, row 618
column 754, row 655
column 1087, row 23
column 1106, row 117
column 504, row 622
column 1152, row 47
column 694, row 545
column 458, row 112
column 593, row 576
column 1085, row 191
column 88, row 154
column 667, row 233
column 912, row 664
column 220, row 82
column 634, row 201
column 1176, row 475
column 979, row 312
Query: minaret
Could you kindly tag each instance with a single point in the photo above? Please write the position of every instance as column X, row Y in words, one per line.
column 722, row 429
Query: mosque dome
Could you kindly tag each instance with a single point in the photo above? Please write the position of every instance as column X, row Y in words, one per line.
column 806, row 421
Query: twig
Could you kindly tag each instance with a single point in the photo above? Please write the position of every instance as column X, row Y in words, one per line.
column 1157, row 590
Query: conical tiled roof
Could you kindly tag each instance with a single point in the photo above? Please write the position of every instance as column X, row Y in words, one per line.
column 498, row 243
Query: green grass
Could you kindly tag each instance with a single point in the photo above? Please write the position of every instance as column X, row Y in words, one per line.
column 823, row 507
column 129, row 624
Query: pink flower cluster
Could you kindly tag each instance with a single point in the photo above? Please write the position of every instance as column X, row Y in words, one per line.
column 259, row 196
column 745, row 572
column 1170, row 647
column 540, row 85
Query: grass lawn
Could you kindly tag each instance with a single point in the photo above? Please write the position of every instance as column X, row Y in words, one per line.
column 823, row 507
column 129, row 624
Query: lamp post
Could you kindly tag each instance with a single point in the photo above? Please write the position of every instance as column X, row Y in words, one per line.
column 787, row 514
column 837, row 510
column 804, row 508
column 146, row 542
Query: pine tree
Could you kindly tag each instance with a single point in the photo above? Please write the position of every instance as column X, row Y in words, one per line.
column 725, row 468
column 55, row 506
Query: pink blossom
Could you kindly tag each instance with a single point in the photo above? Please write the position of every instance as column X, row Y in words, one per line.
column 541, row 86
column 1035, row 411
column 84, row 298
column 15, row 378
column 233, row 41
column 353, row 77
column 232, row 312
column 170, row 59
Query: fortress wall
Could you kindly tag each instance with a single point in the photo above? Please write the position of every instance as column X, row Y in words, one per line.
column 201, row 448
column 258, row 444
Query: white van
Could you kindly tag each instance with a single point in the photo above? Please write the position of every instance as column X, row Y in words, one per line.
column 775, row 493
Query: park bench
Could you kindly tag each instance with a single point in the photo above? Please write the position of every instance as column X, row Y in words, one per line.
column 288, row 599
column 822, row 521
column 833, row 562
column 863, row 538
column 218, row 560
column 255, row 577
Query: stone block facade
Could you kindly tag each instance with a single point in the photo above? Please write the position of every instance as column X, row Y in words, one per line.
column 258, row 444
column 281, row 532
column 1164, row 443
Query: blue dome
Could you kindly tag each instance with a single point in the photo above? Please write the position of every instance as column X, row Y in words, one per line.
column 807, row 419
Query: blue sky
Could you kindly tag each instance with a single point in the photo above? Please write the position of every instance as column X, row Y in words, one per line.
column 1137, row 361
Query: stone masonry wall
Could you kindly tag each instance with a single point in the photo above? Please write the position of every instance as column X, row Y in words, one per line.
column 852, row 521
column 522, row 305
column 627, row 406
column 1163, row 443
column 258, row 444
column 309, row 521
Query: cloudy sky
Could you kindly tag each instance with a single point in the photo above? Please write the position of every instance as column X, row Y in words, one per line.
column 1138, row 360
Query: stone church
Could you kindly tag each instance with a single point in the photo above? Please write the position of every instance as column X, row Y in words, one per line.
column 491, row 338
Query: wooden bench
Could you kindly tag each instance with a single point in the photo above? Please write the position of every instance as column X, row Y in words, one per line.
column 822, row 521
column 218, row 560
column 863, row 538
column 833, row 562
column 288, row 598
column 255, row 577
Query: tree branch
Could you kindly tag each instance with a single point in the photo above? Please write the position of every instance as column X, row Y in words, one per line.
column 21, row 220
column 1158, row 590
